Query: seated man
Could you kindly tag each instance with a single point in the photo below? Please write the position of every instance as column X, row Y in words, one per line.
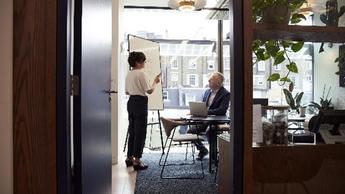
column 217, row 99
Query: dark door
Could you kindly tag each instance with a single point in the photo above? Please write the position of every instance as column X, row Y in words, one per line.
column 92, row 110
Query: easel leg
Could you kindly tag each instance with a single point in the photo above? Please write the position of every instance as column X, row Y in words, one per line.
column 124, row 146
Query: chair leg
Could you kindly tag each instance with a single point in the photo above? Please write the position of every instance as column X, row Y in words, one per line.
column 186, row 155
column 165, row 144
column 165, row 159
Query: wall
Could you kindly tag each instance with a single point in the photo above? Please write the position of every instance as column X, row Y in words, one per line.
column 325, row 68
column 6, row 149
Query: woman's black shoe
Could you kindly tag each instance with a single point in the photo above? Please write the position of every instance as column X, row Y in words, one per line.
column 140, row 166
column 129, row 162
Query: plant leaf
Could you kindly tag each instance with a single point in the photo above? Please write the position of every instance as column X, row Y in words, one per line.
column 292, row 67
column 336, row 60
column 296, row 18
column 272, row 47
column 286, row 43
column 299, row 98
column 274, row 77
column 279, row 58
column 316, row 105
column 297, row 46
column 291, row 86
column 285, row 79
column 289, row 100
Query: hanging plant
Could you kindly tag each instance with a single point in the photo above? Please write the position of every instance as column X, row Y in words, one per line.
column 278, row 12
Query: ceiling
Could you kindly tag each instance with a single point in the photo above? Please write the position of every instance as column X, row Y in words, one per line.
column 161, row 3
column 213, row 14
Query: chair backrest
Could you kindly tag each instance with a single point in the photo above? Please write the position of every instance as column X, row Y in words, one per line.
column 169, row 125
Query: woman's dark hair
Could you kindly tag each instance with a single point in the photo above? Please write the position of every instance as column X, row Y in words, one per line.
column 136, row 57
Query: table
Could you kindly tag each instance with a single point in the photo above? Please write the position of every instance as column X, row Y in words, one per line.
column 212, row 121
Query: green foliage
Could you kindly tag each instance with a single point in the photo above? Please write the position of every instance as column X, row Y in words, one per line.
column 325, row 103
column 293, row 102
column 277, row 50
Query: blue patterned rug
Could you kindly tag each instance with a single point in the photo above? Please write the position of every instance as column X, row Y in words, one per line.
column 149, row 181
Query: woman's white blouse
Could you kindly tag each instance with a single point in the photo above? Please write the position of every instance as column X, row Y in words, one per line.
column 137, row 83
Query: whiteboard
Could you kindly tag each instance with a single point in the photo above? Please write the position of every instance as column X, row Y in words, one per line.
column 152, row 67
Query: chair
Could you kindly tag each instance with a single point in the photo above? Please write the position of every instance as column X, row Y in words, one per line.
column 179, row 139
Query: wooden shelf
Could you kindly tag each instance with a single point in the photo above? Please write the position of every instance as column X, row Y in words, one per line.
column 305, row 33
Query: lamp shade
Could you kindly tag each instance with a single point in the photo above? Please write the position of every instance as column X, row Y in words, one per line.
column 187, row 4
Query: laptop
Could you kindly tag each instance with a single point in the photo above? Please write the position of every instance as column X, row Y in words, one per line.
column 198, row 109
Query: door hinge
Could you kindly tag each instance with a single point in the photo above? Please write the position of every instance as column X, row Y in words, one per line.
column 74, row 85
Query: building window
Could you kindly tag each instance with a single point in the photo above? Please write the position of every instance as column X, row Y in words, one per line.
column 174, row 77
column 261, row 66
column 165, row 95
column 309, row 78
column 192, row 65
column 293, row 79
column 226, row 64
column 210, row 65
column 309, row 65
column 277, row 67
column 192, row 80
column 259, row 80
column 174, row 64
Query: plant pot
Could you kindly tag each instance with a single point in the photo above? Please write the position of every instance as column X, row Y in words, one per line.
column 276, row 14
column 302, row 111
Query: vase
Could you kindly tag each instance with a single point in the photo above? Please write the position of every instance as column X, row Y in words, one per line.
column 280, row 127
column 302, row 111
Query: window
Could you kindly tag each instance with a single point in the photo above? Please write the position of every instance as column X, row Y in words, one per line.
column 192, row 65
column 309, row 65
column 309, row 78
column 192, row 80
column 174, row 77
column 261, row 66
column 210, row 65
column 226, row 64
column 259, row 80
column 165, row 95
column 174, row 64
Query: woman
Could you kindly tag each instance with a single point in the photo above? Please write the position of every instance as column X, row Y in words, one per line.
column 137, row 86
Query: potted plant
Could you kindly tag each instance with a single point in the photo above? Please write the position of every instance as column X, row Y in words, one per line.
column 325, row 103
column 293, row 102
column 277, row 11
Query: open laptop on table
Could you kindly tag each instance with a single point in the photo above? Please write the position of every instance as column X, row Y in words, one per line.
column 198, row 109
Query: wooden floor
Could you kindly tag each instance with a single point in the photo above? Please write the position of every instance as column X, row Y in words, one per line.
column 123, row 178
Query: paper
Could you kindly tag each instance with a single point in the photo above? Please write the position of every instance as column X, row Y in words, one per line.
column 257, row 124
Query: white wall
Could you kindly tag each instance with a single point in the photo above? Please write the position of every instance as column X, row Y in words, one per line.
column 325, row 68
column 117, row 13
column 6, row 150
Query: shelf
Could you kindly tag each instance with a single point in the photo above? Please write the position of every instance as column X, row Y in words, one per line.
column 305, row 33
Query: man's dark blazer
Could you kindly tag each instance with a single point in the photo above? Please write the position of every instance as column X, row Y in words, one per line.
column 220, row 102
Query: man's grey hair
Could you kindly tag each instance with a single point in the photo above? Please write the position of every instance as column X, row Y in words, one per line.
column 220, row 76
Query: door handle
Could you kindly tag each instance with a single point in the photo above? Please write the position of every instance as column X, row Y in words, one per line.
column 110, row 92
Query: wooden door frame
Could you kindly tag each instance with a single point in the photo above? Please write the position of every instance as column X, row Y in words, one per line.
column 241, row 96
column 34, row 96
column 41, row 97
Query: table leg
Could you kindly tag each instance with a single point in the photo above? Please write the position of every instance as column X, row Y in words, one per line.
column 213, row 139
column 210, row 155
